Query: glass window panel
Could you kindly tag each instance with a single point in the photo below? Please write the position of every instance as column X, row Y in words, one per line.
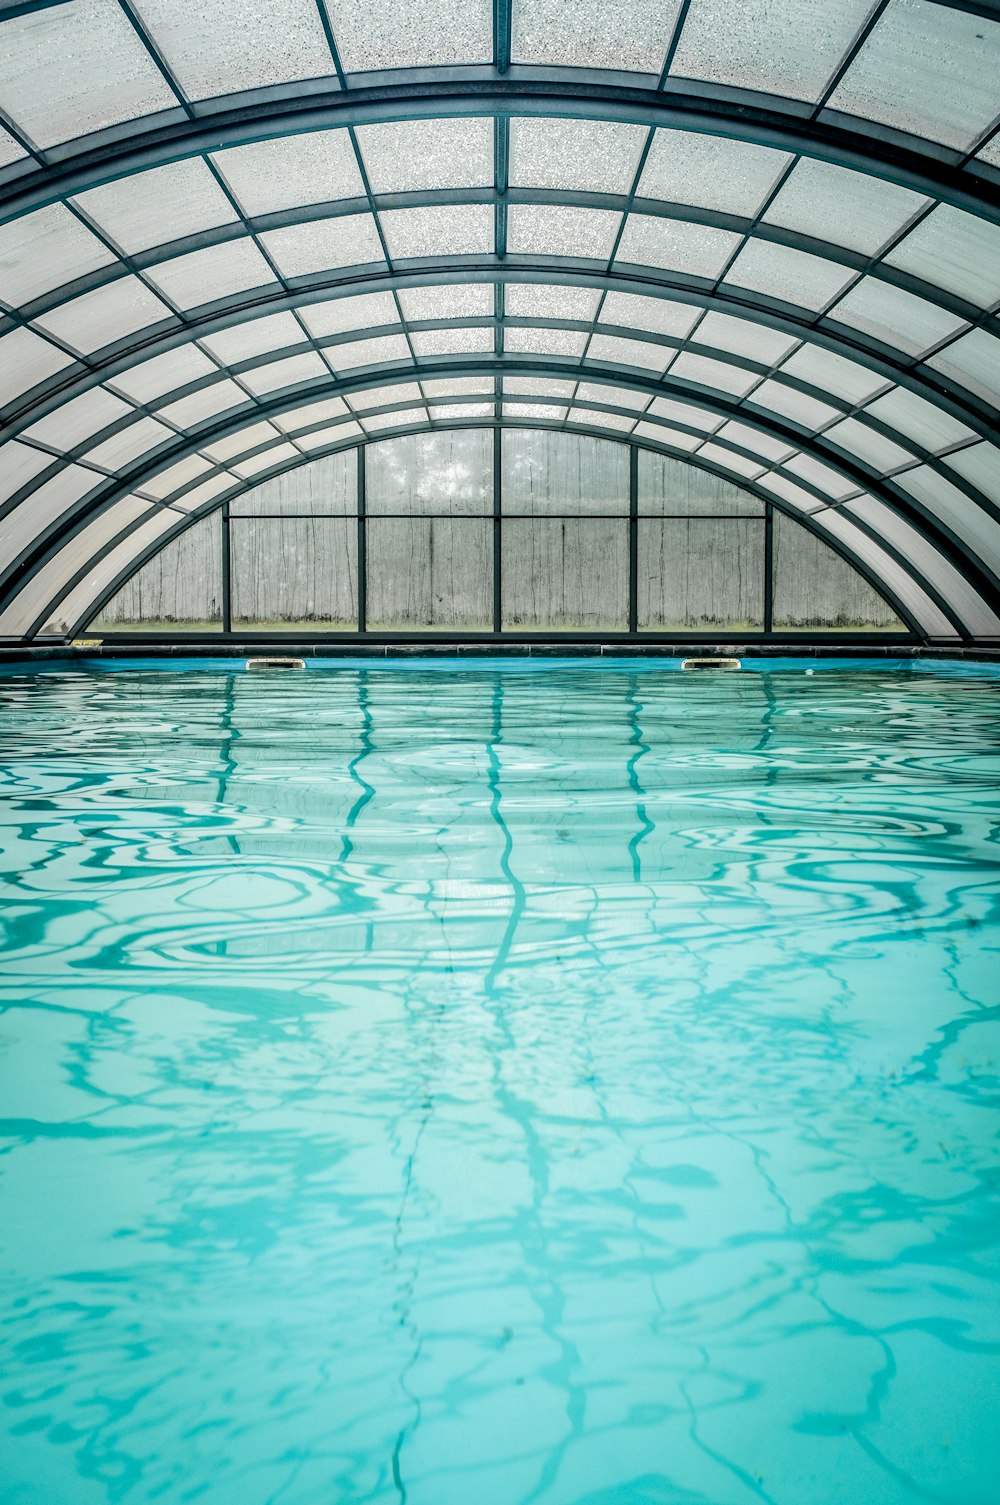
column 73, row 422
column 164, row 373
column 336, row 434
column 676, row 245
column 448, row 341
column 398, row 34
column 956, row 251
column 925, row 556
column 601, row 155
column 179, row 589
column 629, row 38
column 545, row 472
column 788, row 47
column 664, row 435
column 895, row 317
column 825, row 479
column 560, row 230
column 461, row 386
column 613, row 347
column 278, row 454
column 287, row 171
column 340, row 315
column 927, row 69
column 700, row 573
column 311, row 412
column 713, row 172
column 323, row 244
column 980, row 464
column 869, row 445
column 730, row 461
column 121, row 449
column 439, row 230
column 429, row 573
column 918, row 419
column 389, row 347
column 256, row 337
column 675, row 488
column 446, row 411
column 815, row 589
column 196, row 408
column 807, row 411
column 524, row 411
column 165, row 204
column 657, row 314
column 402, row 156
column 539, row 300
column 215, row 272
column 286, row 373
column 454, row 301
column 106, row 315
column 239, row 443
column 957, row 511
column 380, row 397
column 450, row 474
column 709, row 373
column 974, row 362
column 544, row 341
column 19, row 464
column 223, row 46
column 565, row 574
column 112, row 77
column 842, row 207
column 832, row 373
column 743, row 337
column 26, row 360
column 176, row 476
column 537, row 386
column 685, row 413
column 594, row 418
column 793, row 276
column 290, row 572
column 616, row 397
column 44, row 250
column 753, row 439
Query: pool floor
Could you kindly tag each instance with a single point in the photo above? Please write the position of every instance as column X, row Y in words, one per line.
column 506, row 1085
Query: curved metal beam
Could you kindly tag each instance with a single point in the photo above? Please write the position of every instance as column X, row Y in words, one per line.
column 432, row 93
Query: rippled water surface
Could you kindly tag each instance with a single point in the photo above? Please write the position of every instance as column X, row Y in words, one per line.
column 569, row 1085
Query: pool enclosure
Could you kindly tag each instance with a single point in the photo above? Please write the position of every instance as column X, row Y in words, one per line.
column 652, row 320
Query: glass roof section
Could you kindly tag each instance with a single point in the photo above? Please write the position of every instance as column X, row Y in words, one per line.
column 218, row 254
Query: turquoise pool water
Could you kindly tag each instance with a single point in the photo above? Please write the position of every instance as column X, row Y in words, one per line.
column 498, row 1085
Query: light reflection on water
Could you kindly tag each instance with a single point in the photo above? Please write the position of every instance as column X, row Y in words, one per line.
column 573, row 1087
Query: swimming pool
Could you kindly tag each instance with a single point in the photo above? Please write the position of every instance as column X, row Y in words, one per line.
column 506, row 1082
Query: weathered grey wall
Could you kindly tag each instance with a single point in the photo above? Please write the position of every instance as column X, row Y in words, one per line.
column 701, row 573
column 182, row 584
column 815, row 588
column 295, row 570
column 430, row 572
column 565, row 574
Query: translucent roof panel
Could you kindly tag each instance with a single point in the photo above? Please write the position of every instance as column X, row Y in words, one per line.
column 153, row 207
column 225, row 46
column 927, row 69
column 980, row 465
column 107, row 314
column 788, row 47
column 403, row 156
column 441, row 230
column 657, row 314
column 832, row 373
column 894, row 316
column 216, row 272
column 742, row 337
column 918, row 419
column 25, row 360
column 267, row 176
column 72, row 69
column 676, row 245
column 453, row 301
column 75, row 421
column 448, row 341
column 789, row 275
column 561, row 230
column 974, row 362
column 843, row 207
column 711, row 373
column 243, row 341
column 366, row 311
column 164, row 373
column 713, row 172
column 956, row 251
column 398, row 34
column 44, row 250
column 600, row 155
column 324, row 244
column 535, row 300
column 625, row 352
column 591, row 34
column 285, row 373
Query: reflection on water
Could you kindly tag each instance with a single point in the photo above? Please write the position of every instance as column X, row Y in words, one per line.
column 572, row 1086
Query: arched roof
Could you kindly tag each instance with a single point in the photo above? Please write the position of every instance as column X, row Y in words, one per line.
column 765, row 238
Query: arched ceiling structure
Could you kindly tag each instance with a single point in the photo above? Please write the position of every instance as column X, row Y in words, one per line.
column 762, row 237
